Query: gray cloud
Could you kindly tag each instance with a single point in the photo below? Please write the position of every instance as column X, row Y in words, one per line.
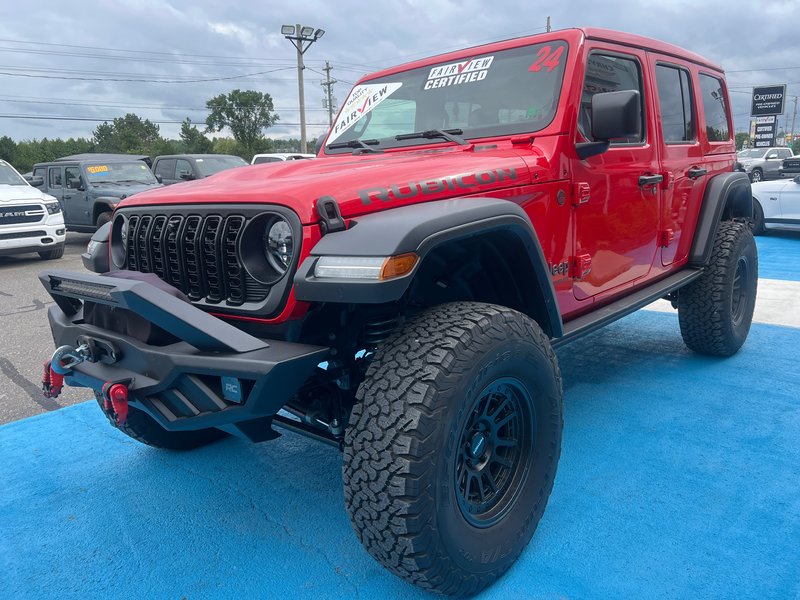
column 209, row 39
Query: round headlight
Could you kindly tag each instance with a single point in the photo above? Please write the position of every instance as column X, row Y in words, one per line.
column 278, row 244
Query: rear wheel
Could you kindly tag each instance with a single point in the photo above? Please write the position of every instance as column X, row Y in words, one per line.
column 716, row 310
column 143, row 428
column 57, row 252
column 452, row 448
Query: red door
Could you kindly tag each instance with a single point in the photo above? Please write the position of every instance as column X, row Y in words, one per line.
column 617, row 226
column 682, row 160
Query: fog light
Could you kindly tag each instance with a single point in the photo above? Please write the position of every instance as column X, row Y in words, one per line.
column 61, row 231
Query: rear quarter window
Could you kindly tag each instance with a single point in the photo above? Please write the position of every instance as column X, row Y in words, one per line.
column 715, row 107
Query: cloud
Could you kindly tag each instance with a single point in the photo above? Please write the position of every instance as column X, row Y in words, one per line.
column 172, row 42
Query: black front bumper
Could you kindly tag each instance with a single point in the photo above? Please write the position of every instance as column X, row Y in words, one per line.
column 184, row 385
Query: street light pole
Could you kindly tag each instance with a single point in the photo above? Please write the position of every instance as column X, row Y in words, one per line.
column 301, row 36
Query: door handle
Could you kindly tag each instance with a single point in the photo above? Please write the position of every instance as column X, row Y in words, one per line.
column 645, row 180
column 696, row 172
column 67, row 197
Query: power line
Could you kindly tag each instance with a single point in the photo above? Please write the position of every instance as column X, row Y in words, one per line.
column 96, row 120
column 136, row 80
column 102, row 104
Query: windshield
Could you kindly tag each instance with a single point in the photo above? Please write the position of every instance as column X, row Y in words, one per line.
column 119, row 172
column 8, row 176
column 752, row 153
column 208, row 165
column 491, row 94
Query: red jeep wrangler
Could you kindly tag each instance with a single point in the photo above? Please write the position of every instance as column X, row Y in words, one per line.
column 400, row 297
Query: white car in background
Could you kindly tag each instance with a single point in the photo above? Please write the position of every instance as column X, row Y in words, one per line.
column 776, row 205
column 279, row 157
column 30, row 220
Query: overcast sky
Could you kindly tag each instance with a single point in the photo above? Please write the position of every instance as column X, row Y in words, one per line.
column 179, row 43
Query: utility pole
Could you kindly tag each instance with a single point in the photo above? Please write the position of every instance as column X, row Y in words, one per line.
column 794, row 118
column 548, row 24
column 328, row 85
column 301, row 36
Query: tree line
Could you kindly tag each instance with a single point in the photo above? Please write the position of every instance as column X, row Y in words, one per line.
column 246, row 113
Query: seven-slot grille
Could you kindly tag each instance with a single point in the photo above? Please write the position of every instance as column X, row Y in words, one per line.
column 29, row 213
column 196, row 254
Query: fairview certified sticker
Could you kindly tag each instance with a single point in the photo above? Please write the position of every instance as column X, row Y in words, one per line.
column 467, row 71
column 362, row 100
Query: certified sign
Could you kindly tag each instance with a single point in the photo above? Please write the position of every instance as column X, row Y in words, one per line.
column 768, row 100
column 763, row 131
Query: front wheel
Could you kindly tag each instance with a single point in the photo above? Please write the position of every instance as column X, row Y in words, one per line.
column 452, row 447
column 756, row 175
column 53, row 254
column 715, row 311
column 757, row 224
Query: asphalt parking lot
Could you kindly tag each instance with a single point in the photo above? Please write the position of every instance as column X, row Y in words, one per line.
column 25, row 335
column 679, row 478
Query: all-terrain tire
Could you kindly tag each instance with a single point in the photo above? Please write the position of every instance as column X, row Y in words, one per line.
column 52, row 254
column 143, row 428
column 443, row 399
column 757, row 224
column 103, row 218
column 715, row 311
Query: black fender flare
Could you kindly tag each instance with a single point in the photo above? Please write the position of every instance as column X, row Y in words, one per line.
column 420, row 228
column 728, row 196
column 108, row 201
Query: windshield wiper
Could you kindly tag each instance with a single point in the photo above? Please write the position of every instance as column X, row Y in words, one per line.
column 362, row 145
column 451, row 135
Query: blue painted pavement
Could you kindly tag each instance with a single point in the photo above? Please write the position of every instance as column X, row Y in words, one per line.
column 679, row 478
column 779, row 255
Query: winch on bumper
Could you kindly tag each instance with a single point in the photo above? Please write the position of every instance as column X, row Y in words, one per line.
column 215, row 375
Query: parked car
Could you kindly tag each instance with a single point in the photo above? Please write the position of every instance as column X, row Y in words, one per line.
column 30, row 220
column 90, row 189
column 400, row 296
column 279, row 157
column 763, row 163
column 175, row 168
column 776, row 205
column 790, row 167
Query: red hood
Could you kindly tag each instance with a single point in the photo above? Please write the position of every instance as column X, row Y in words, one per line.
column 360, row 184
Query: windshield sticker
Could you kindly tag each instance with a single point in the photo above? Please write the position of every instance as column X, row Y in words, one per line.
column 467, row 71
column 546, row 57
column 362, row 100
column 97, row 169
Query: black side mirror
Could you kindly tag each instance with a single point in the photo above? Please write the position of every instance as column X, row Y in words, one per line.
column 159, row 179
column 614, row 115
column 318, row 145
column 797, row 179
column 36, row 181
column 185, row 175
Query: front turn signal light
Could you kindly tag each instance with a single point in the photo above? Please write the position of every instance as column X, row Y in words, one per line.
column 397, row 266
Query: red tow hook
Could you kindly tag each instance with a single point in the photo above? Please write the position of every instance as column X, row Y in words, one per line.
column 52, row 382
column 115, row 396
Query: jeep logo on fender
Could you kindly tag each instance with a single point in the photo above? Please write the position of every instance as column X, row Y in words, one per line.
column 434, row 186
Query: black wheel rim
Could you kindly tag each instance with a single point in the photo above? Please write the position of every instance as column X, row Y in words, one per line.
column 494, row 452
column 741, row 290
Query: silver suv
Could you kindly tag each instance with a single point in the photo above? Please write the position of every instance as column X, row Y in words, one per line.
column 763, row 163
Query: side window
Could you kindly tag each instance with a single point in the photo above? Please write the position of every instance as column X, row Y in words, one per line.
column 675, row 98
column 166, row 168
column 716, row 109
column 182, row 168
column 607, row 73
column 266, row 159
column 73, row 177
column 55, row 177
column 784, row 153
column 39, row 172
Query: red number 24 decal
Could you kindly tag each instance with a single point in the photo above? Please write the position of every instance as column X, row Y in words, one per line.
column 546, row 58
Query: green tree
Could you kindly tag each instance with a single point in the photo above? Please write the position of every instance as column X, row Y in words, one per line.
column 228, row 146
column 194, row 142
column 129, row 134
column 246, row 113
column 8, row 149
column 740, row 139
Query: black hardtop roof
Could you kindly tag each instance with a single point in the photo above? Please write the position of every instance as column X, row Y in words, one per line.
column 102, row 156
column 195, row 156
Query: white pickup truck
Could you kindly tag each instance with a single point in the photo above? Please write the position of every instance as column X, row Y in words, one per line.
column 30, row 220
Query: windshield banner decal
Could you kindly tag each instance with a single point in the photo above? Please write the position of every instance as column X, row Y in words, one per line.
column 474, row 69
column 361, row 101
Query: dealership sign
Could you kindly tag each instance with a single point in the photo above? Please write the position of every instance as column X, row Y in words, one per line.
column 763, row 131
column 768, row 100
